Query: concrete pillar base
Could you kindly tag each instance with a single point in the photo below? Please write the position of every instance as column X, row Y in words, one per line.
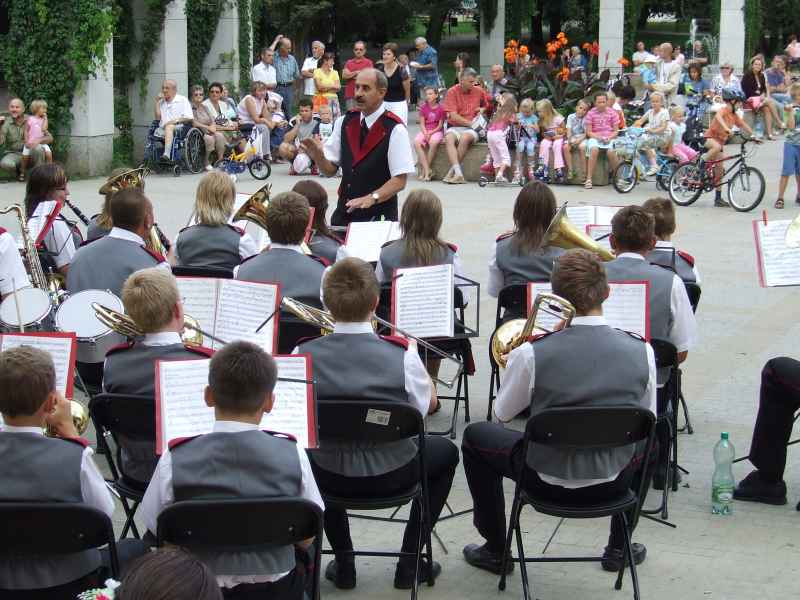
column 90, row 156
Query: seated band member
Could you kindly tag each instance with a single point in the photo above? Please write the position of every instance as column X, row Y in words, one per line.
column 665, row 254
column 517, row 256
column 354, row 363
column 213, row 242
column 12, row 270
column 671, row 316
column 323, row 242
column 100, row 225
column 587, row 364
column 779, row 400
column 237, row 460
column 151, row 298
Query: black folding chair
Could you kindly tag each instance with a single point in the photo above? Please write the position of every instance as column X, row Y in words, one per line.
column 189, row 271
column 243, row 524
column 585, row 428
column 693, row 291
column 291, row 330
column 125, row 419
column 379, row 423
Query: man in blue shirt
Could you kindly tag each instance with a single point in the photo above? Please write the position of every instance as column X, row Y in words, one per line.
column 426, row 65
column 286, row 71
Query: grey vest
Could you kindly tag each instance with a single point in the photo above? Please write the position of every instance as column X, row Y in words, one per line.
column 666, row 257
column 247, row 464
column 393, row 257
column 586, row 365
column 661, row 280
column 39, row 469
column 131, row 370
column 105, row 264
column 300, row 276
column 94, row 231
column 523, row 268
column 209, row 246
column 359, row 367
column 324, row 247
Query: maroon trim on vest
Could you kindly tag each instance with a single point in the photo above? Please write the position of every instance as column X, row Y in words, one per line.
column 77, row 440
column 376, row 134
column 279, row 434
column 87, row 242
column 538, row 336
column 201, row 350
column 154, row 254
column 2, row 230
column 504, row 236
column 48, row 224
column 238, row 230
column 120, row 348
column 452, row 246
column 251, row 257
column 321, row 260
column 181, row 440
column 308, row 338
column 393, row 117
column 687, row 257
column 396, row 340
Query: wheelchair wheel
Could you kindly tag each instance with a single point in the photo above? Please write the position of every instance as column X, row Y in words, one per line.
column 259, row 168
column 193, row 148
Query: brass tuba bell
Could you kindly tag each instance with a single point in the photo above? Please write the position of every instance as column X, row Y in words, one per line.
column 125, row 179
column 254, row 209
column 563, row 234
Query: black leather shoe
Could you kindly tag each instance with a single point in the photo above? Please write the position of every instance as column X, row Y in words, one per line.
column 404, row 574
column 612, row 557
column 343, row 576
column 719, row 202
column 481, row 558
column 754, row 489
column 660, row 477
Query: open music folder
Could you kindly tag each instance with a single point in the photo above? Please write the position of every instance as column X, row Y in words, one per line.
column 62, row 347
column 231, row 309
column 777, row 263
column 581, row 216
column 181, row 410
column 422, row 301
column 365, row 239
column 600, row 234
column 627, row 306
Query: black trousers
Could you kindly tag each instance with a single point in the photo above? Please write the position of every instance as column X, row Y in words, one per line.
column 492, row 452
column 290, row 587
column 779, row 399
column 441, row 460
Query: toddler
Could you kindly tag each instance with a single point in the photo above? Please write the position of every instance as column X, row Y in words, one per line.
column 431, row 123
column 655, row 135
column 528, row 130
column 576, row 136
column 325, row 122
column 552, row 126
column 677, row 127
column 35, row 130
column 496, row 134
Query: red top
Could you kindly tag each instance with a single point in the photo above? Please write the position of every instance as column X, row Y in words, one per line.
column 464, row 103
column 354, row 65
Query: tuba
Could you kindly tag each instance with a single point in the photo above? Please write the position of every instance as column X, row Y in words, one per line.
column 124, row 325
column 126, row 179
column 255, row 208
column 563, row 234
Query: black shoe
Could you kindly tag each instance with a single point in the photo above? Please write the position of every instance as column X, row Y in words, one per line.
column 754, row 489
column 660, row 477
column 719, row 202
column 404, row 574
column 481, row 558
column 612, row 557
column 343, row 576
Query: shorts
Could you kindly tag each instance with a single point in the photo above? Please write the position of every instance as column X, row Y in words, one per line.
column 526, row 146
column 45, row 148
column 594, row 143
column 791, row 160
column 458, row 132
column 435, row 138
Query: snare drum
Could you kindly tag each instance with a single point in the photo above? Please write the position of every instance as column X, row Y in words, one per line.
column 34, row 309
column 94, row 339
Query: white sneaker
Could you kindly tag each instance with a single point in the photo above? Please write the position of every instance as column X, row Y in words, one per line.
column 209, row 168
column 651, row 171
column 500, row 179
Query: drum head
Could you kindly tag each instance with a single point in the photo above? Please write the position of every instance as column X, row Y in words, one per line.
column 34, row 304
column 76, row 313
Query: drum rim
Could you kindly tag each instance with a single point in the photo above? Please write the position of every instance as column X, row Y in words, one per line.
column 23, row 306
column 83, row 293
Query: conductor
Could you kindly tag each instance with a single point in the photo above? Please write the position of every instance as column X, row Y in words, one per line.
column 372, row 147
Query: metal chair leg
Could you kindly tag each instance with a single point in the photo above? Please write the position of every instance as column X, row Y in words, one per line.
column 688, row 427
column 523, row 568
column 507, row 547
column 629, row 546
column 617, row 521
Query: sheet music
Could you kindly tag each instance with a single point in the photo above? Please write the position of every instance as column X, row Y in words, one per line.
column 58, row 346
column 242, row 307
column 423, row 301
column 179, row 398
column 199, row 296
column 581, row 216
column 779, row 265
column 604, row 214
column 364, row 239
column 600, row 231
column 290, row 412
column 544, row 320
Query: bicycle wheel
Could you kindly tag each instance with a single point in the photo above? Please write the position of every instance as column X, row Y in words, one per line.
column 259, row 168
column 686, row 184
column 664, row 174
column 625, row 178
column 746, row 189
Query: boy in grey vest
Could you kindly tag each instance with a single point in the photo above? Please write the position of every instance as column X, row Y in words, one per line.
column 586, row 364
column 355, row 363
column 665, row 254
column 237, row 460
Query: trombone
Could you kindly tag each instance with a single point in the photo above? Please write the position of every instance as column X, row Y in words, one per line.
column 122, row 324
column 324, row 320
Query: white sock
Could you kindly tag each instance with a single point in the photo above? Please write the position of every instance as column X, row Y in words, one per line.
column 457, row 171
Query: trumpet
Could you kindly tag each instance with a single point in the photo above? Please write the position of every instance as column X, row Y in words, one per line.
column 121, row 323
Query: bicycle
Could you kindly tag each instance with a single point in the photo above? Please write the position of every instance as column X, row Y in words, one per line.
column 746, row 185
column 234, row 162
column 632, row 168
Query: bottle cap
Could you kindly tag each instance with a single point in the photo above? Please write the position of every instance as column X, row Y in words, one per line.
column 724, row 435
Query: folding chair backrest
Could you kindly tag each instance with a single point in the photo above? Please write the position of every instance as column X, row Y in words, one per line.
column 239, row 523
column 590, row 427
column 665, row 353
column 512, row 297
column 693, row 291
column 188, row 271
column 367, row 420
column 127, row 414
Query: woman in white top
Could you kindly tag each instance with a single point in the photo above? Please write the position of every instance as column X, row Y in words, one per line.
column 254, row 114
column 219, row 110
column 656, row 134
column 399, row 90
column 725, row 80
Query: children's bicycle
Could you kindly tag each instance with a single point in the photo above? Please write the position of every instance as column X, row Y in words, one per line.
column 746, row 184
column 633, row 169
column 236, row 159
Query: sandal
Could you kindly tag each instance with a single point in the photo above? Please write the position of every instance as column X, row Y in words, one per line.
column 21, row 177
column 779, row 203
column 587, row 184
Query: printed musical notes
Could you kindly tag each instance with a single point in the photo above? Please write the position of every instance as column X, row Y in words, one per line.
column 581, row 216
column 601, row 234
column 60, row 346
column 777, row 263
column 293, row 411
column 422, row 301
column 365, row 239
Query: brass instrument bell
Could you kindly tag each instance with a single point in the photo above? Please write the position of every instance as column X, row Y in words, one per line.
column 122, row 324
column 563, row 234
column 126, row 179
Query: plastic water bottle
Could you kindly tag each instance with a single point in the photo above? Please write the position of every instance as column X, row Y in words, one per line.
column 722, row 482
column 759, row 126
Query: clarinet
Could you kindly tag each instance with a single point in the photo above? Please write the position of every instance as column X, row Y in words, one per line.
column 82, row 217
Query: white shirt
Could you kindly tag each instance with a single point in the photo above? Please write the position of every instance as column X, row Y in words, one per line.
column 496, row 278
column 639, row 56
column 458, row 271
column 177, row 108
column 309, row 85
column 160, row 494
column 670, row 246
column 123, row 234
column 417, row 380
column 265, row 73
column 401, row 159
column 12, row 269
column 58, row 241
column 656, row 119
column 519, row 382
column 93, row 486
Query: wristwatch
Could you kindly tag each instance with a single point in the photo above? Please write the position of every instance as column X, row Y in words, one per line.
column 375, row 197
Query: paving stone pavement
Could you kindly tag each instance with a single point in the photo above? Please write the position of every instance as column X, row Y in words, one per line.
column 753, row 553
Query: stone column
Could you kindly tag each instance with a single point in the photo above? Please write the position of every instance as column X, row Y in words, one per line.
column 169, row 62
column 222, row 61
column 731, row 33
column 91, row 145
column 612, row 28
column 492, row 42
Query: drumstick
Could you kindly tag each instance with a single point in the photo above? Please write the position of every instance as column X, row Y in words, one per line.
column 16, row 304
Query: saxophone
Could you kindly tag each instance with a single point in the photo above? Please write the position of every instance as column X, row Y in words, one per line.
column 31, row 255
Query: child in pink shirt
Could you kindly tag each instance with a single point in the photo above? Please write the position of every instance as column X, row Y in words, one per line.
column 431, row 123
column 551, row 124
column 35, row 131
column 496, row 138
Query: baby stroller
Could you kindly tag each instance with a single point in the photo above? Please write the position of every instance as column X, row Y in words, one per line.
column 243, row 153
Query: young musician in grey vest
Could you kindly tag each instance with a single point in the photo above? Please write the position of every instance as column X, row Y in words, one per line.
column 36, row 468
column 237, row 460
column 354, row 363
column 671, row 316
column 151, row 298
column 100, row 225
column 586, row 364
column 323, row 243
column 212, row 241
column 518, row 256
column 372, row 147
column 665, row 254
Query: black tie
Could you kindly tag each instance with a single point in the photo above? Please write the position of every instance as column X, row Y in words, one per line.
column 364, row 132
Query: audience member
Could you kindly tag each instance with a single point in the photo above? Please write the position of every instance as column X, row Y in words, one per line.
column 427, row 65
column 399, row 91
column 286, row 71
column 431, row 134
column 310, row 64
column 264, row 71
column 668, row 74
column 698, row 54
column 461, row 62
column 756, row 92
column 725, row 80
column 528, row 123
column 463, row 103
column 171, row 111
column 254, row 115
column 36, row 132
column 12, row 138
column 778, row 82
column 358, row 63
column 326, row 80
column 214, row 139
column 640, row 54
column 221, row 112
column 576, row 136
column 602, row 126
column 305, row 126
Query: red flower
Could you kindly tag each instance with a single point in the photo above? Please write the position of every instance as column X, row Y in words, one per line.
column 624, row 62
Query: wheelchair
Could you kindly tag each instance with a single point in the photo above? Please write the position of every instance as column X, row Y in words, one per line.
column 188, row 148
